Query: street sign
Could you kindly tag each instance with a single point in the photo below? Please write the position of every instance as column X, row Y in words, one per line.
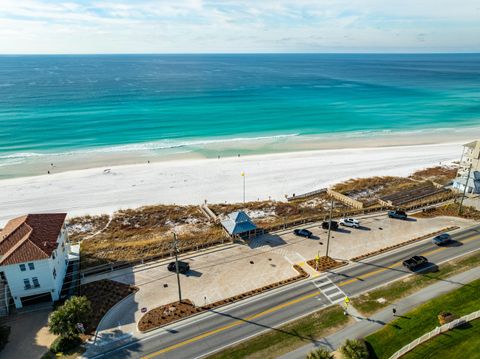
column 80, row 327
column 347, row 300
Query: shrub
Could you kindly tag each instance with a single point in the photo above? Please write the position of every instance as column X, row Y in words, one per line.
column 63, row 344
column 354, row 349
column 320, row 353
column 63, row 321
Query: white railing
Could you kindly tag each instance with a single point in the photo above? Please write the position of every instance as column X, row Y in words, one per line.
column 435, row 332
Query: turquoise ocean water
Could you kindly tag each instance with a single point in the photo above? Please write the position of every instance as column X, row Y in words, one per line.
column 76, row 104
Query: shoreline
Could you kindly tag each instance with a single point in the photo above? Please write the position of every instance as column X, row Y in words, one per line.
column 192, row 181
column 37, row 164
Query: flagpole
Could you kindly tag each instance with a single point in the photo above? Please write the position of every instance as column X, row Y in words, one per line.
column 243, row 175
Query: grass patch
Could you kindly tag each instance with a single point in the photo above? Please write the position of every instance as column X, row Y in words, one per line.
column 288, row 337
column 369, row 303
column 460, row 342
column 423, row 319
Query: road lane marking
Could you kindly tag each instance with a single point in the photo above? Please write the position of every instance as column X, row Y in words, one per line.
column 369, row 274
column 280, row 306
column 231, row 325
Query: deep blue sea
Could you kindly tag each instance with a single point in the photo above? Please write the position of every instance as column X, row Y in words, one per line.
column 63, row 104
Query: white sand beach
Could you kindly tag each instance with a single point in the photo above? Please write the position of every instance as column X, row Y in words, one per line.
column 95, row 191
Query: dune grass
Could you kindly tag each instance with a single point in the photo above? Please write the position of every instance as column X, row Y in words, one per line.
column 423, row 319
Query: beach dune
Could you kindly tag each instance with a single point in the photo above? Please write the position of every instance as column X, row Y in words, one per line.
column 97, row 190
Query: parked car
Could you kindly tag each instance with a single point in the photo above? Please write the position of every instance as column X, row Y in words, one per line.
column 414, row 262
column 397, row 214
column 441, row 239
column 183, row 267
column 332, row 224
column 303, row 233
column 350, row 222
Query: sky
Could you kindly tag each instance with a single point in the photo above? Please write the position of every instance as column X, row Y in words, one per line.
column 238, row 26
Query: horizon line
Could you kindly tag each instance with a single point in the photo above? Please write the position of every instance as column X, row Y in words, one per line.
column 242, row 53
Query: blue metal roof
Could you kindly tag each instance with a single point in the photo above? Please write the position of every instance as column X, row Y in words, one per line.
column 238, row 222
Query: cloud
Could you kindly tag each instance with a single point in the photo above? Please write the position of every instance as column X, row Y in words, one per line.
column 96, row 26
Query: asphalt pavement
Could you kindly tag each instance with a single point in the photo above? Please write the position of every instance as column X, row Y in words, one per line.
column 214, row 330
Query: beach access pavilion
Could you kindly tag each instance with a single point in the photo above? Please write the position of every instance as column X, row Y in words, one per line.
column 238, row 224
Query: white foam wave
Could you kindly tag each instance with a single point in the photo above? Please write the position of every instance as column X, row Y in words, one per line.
column 148, row 146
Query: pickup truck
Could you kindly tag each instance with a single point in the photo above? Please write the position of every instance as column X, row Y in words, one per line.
column 414, row 262
column 397, row 214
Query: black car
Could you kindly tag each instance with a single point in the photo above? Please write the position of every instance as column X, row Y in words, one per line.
column 333, row 225
column 414, row 262
column 303, row 233
column 397, row 214
column 183, row 267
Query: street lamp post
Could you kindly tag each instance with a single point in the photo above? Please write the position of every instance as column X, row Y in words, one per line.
column 243, row 175
column 329, row 227
column 175, row 248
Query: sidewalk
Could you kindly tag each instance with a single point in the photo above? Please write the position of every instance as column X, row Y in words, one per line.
column 365, row 326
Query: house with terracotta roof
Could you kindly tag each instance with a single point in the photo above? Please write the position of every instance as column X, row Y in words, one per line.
column 33, row 258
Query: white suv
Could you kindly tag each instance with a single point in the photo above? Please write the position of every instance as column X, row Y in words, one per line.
column 349, row 222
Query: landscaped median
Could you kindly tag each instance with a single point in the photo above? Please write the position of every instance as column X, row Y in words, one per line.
column 423, row 319
column 324, row 263
column 169, row 313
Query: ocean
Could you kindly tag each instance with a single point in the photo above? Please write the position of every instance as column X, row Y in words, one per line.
column 57, row 106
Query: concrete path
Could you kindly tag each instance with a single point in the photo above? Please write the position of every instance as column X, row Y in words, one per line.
column 29, row 335
column 366, row 326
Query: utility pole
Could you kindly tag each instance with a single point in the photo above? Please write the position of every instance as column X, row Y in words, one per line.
column 329, row 226
column 464, row 190
column 175, row 248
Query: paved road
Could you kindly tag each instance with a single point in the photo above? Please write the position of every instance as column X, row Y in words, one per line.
column 209, row 332
column 366, row 326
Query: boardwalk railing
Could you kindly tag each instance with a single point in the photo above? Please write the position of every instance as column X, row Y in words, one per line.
column 306, row 195
column 438, row 330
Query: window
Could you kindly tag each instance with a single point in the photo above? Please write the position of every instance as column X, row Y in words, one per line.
column 36, row 284
column 54, row 273
column 26, row 283
column 23, row 268
column 31, row 266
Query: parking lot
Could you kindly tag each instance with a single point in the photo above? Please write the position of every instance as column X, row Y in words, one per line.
column 223, row 272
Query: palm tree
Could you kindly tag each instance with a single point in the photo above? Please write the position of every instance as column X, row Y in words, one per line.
column 320, row 353
column 354, row 349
